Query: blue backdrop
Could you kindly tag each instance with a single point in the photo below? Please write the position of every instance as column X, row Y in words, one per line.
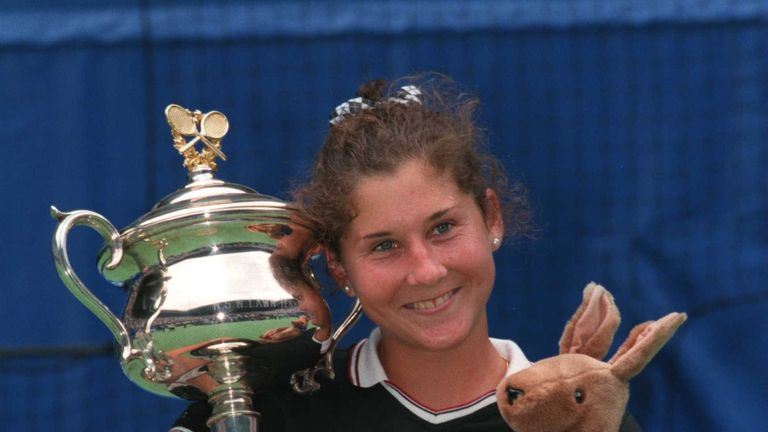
column 641, row 129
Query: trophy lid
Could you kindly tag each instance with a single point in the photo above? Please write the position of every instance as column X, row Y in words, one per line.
column 206, row 213
column 203, row 198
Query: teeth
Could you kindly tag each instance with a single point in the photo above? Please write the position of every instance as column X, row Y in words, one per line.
column 431, row 304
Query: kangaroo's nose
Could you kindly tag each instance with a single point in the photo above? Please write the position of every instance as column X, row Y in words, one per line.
column 513, row 393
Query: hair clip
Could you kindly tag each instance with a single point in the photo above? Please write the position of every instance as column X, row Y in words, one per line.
column 351, row 106
column 406, row 95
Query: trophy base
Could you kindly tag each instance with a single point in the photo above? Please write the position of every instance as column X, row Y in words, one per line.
column 231, row 401
column 232, row 412
column 235, row 423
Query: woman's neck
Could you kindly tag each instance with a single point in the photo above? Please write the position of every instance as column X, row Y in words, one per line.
column 446, row 378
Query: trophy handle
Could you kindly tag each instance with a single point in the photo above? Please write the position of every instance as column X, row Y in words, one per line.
column 94, row 220
column 303, row 382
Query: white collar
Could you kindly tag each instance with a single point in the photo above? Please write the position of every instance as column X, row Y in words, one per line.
column 365, row 370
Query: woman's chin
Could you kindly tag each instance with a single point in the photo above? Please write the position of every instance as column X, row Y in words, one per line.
column 441, row 338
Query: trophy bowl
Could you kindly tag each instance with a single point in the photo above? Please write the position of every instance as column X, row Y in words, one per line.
column 221, row 294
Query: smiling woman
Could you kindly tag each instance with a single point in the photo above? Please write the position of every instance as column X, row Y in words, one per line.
column 410, row 210
column 418, row 254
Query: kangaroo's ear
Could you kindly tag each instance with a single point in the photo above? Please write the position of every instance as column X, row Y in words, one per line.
column 644, row 341
column 590, row 331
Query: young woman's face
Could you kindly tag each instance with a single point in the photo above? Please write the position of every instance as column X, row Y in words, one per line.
column 419, row 256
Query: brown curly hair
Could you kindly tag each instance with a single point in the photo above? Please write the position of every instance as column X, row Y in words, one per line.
column 441, row 131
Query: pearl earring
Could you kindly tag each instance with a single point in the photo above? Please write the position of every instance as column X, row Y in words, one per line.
column 496, row 242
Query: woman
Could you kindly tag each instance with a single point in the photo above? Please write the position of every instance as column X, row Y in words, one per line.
column 410, row 212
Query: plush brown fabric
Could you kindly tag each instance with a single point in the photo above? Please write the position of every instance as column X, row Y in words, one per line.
column 576, row 391
column 591, row 328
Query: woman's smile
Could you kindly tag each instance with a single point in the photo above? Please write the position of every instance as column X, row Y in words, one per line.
column 432, row 305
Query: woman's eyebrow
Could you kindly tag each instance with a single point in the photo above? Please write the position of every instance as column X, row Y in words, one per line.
column 377, row 234
column 434, row 216
column 440, row 213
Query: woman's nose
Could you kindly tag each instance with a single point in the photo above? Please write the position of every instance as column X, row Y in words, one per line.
column 424, row 266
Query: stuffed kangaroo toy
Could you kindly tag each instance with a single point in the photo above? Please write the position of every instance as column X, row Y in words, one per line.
column 576, row 391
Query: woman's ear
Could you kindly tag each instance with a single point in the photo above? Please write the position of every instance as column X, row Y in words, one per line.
column 494, row 220
column 337, row 272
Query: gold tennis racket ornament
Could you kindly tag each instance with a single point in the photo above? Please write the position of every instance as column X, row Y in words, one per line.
column 208, row 129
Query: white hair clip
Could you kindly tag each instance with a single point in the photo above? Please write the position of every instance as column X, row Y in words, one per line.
column 406, row 95
column 351, row 106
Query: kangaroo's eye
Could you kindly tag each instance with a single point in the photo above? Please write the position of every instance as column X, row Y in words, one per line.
column 579, row 395
column 513, row 394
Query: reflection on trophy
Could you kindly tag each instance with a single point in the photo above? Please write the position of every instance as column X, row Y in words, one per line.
column 221, row 297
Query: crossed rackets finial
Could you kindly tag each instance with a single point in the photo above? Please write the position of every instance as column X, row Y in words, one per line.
column 208, row 128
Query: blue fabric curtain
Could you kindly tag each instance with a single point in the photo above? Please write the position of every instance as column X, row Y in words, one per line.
column 640, row 128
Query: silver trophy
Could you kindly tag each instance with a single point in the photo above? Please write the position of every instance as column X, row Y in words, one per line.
column 221, row 296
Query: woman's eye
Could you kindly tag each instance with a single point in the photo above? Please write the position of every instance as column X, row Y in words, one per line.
column 384, row 246
column 442, row 228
